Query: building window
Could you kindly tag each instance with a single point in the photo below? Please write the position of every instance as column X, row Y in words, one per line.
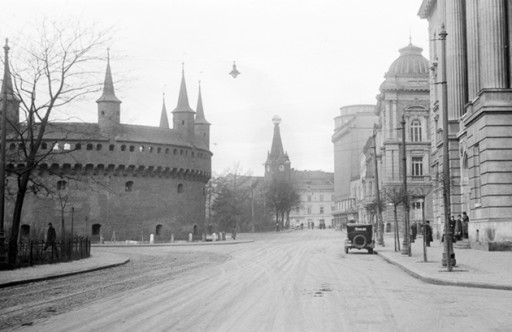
column 67, row 146
column 89, row 147
column 44, row 146
column 132, row 148
column 309, row 209
column 61, row 185
column 321, row 210
column 180, row 188
column 181, row 152
column 141, row 148
column 150, row 149
column 25, row 230
column 417, row 166
column 111, row 147
column 417, row 209
column 123, row 147
column 166, row 151
column 99, row 147
column 416, row 131
column 158, row 150
column 175, row 151
column 128, row 186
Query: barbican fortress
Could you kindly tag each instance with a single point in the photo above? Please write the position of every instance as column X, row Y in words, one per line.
column 117, row 181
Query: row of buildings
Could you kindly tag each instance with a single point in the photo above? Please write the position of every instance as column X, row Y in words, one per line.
column 468, row 76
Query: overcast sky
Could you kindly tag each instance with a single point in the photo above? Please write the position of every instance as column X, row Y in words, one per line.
column 299, row 59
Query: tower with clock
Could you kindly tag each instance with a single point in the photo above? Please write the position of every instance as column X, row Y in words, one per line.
column 277, row 166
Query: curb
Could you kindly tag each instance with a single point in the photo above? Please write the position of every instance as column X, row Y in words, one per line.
column 66, row 274
column 184, row 244
column 436, row 281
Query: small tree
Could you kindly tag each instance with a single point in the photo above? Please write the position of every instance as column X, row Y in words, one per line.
column 396, row 197
column 281, row 196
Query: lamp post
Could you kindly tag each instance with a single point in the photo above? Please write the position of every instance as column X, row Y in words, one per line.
column 406, row 243
column 380, row 228
column 448, row 252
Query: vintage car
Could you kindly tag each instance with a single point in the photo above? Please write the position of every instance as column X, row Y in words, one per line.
column 359, row 236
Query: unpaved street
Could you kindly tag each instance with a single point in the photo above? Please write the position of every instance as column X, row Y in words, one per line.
column 297, row 281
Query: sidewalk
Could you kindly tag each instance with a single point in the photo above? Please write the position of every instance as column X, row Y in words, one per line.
column 97, row 261
column 474, row 268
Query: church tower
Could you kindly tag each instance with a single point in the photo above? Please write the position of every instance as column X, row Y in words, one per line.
column 183, row 115
column 201, row 126
column 277, row 166
column 164, row 121
column 13, row 103
column 109, row 106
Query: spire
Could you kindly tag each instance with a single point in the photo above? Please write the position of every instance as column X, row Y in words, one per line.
column 108, row 85
column 183, row 105
column 200, row 119
column 277, row 150
column 164, row 122
column 7, row 89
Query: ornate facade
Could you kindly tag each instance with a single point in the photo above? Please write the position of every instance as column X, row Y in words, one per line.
column 479, row 107
column 118, row 181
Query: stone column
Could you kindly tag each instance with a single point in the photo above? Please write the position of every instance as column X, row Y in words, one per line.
column 472, row 45
column 456, row 58
column 492, row 31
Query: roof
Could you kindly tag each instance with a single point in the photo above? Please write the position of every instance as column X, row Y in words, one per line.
column 410, row 62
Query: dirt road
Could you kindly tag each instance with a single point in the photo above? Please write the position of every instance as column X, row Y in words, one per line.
column 298, row 281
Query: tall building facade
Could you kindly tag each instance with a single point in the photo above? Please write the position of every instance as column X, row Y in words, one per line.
column 111, row 180
column 403, row 105
column 479, row 107
column 351, row 130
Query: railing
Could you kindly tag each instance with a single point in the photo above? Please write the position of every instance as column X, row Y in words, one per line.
column 36, row 252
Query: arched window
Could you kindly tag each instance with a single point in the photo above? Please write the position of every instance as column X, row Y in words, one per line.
column 111, row 147
column 158, row 230
column 123, row 147
column 128, row 186
column 99, row 147
column 180, row 188
column 416, row 131
column 44, row 146
column 96, row 229
column 158, row 150
column 61, row 185
column 175, row 151
column 132, row 148
column 89, row 147
column 166, row 151
column 150, row 149
column 141, row 148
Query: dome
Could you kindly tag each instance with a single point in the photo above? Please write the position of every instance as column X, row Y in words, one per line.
column 409, row 62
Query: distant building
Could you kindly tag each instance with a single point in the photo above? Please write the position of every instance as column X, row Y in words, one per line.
column 316, row 190
column 478, row 103
column 277, row 165
column 404, row 95
column 118, row 181
column 351, row 130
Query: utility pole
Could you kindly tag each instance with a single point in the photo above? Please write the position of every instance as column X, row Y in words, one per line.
column 406, row 243
column 3, row 256
column 448, row 252
column 380, row 226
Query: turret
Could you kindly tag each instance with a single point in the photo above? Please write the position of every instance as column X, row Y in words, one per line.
column 201, row 126
column 164, row 121
column 13, row 103
column 183, row 115
column 109, row 106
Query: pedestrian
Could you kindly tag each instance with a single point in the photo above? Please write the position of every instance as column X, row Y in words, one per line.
column 465, row 225
column 452, row 228
column 428, row 233
column 51, row 237
column 414, row 231
column 458, row 228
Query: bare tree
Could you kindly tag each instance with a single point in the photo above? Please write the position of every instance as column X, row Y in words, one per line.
column 396, row 197
column 53, row 73
column 281, row 196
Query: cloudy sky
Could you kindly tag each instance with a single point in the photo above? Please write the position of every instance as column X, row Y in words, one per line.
column 299, row 59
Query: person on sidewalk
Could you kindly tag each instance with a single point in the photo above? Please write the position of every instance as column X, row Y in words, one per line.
column 465, row 222
column 414, row 231
column 458, row 228
column 51, row 237
column 428, row 233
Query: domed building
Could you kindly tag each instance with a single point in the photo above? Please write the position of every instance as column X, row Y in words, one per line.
column 404, row 96
column 115, row 181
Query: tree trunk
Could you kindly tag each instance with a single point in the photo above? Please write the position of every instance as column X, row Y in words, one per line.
column 16, row 219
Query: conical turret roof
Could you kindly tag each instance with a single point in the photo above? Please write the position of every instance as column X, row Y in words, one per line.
column 200, row 119
column 108, row 87
column 164, row 121
column 183, row 105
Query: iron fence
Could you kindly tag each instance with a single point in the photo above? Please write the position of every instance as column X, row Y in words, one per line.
column 37, row 252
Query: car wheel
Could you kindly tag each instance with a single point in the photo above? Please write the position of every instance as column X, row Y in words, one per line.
column 359, row 241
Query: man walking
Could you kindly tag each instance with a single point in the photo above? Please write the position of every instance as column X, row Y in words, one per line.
column 51, row 237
